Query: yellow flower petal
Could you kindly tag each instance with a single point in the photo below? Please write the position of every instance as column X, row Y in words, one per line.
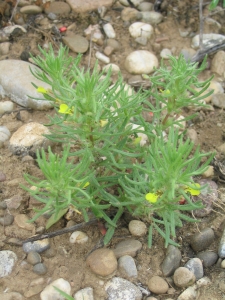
column 152, row 197
column 42, row 90
column 103, row 123
column 193, row 192
column 86, row 184
column 64, row 109
column 137, row 140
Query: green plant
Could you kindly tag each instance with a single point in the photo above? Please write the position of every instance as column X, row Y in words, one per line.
column 214, row 4
column 120, row 160
column 68, row 297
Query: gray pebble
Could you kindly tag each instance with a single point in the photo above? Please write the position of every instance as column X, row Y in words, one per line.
column 171, row 261
column 6, row 220
column 195, row 266
column 40, row 269
column 38, row 246
column 202, row 240
column 208, row 258
column 127, row 247
column 33, row 258
column 52, row 16
column 127, row 266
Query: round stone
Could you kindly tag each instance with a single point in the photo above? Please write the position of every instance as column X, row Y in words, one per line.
column 38, row 246
column 76, row 43
column 127, row 247
column 40, row 269
column 31, row 9
column 6, row 220
column 127, row 266
column 141, row 62
column 158, row 285
column 183, row 277
column 140, row 29
column 58, row 7
column 208, row 258
column 137, row 228
column 202, row 240
column 78, row 237
column 21, row 221
column 33, row 258
column 102, row 262
column 195, row 266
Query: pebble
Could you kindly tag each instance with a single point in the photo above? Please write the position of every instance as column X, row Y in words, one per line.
column 6, row 220
column 192, row 135
column 94, row 33
column 7, row 262
column 218, row 63
column 202, row 240
column 4, row 135
column 189, row 294
column 49, row 293
column 103, row 58
column 141, row 62
column 145, row 6
column 2, row 176
column 127, row 266
column 11, row 296
column 15, row 83
column 129, row 14
column 40, row 269
column 33, row 290
column 29, row 138
column 183, row 277
column 84, row 294
column 57, row 8
column 109, row 31
column 165, row 53
column 158, row 285
column 188, row 53
column 33, row 258
column 140, row 29
column 221, row 249
column 38, row 246
column 172, row 261
column 21, row 221
column 78, row 237
column 76, row 43
column 218, row 100
column 81, row 6
column 31, row 10
column 195, row 266
column 6, row 106
column 102, row 262
column 115, row 70
column 137, row 228
column 121, row 289
column 208, row 258
column 127, row 247
column 209, row 40
column 152, row 17
column 114, row 44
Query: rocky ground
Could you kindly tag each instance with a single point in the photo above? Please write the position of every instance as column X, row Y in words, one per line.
column 126, row 269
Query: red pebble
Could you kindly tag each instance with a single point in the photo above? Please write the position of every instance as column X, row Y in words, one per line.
column 62, row 29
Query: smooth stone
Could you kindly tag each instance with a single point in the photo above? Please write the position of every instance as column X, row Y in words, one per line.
column 221, row 248
column 113, row 44
column 102, row 262
column 114, row 69
column 29, row 138
column 84, row 294
column 76, row 43
column 188, row 53
column 100, row 56
column 21, row 221
column 141, row 62
column 158, row 285
column 137, row 228
column 165, row 53
column 81, row 6
column 7, row 262
column 78, row 237
column 127, row 266
column 146, row 6
column 218, row 63
column 218, row 100
column 11, row 296
column 49, row 293
column 4, row 135
column 202, row 240
column 14, row 202
column 33, row 290
column 33, row 258
column 209, row 40
column 192, row 135
column 120, row 289
column 208, row 258
column 31, row 10
column 15, row 83
column 171, row 261
column 183, row 277
column 6, row 220
column 152, row 17
column 195, row 266
column 127, row 247
column 57, row 7
column 204, row 281
column 40, row 269
column 209, row 173
column 142, row 40
column 6, row 106
column 140, row 29
column 38, row 246
column 109, row 31
column 189, row 294
column 129, row 14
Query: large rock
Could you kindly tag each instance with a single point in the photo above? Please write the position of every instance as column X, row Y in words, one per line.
column 15, row 83
column 82, row 6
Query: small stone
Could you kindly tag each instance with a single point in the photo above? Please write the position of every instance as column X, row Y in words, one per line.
column 21, row 221
column 141, row 62
column 119, row 288
column 137, row 228
column 202, row 240
column 4, row 135
column 223, row 264
column 109, row 31
column 158, row 285
column 192, row 135
column 113, row 44
column 129, row 14
column 152, row 17
column 49, row 292
column 171, row 261
column 127, row 247
column 114, row 69
column 208, row 258
column 218, row 100
column 203, row 282
column 78, row 237
column 2, row 176
column 14, row 202
column 4, row 48
column 40, row 269
column 33, row 290
column 51, row 252
column 81, row 6
column 38, row 246
column 6, row 106
column 209, row 173
column 183, row 277
column 165, row 53
column 31, row 10
column 7, row 262
column 146, row 6
column 102, row 262
column 100, row 56
column 189, row 294
column 84, row 294
column 11, row 296
column 76, row 43
column 218, row 63
column 140, row 29
column 33, row 258
column 57, row 8
column 6, row 220
column 195, row 266
column 127, row 266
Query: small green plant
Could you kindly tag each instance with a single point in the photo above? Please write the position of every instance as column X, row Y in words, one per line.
column 214, row 4
column 113, row 158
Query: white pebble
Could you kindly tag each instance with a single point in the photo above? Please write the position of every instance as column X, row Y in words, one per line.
column 223, row 264
column 50, row 293
column 109, row 31
column 6, row 106
column 165, row 53
column 7, row 262
column 137, row 228
column 78, row 237
column 102, row 57
column 114, row 69
column 140, row 29
column 141, row 62
column 4, row 135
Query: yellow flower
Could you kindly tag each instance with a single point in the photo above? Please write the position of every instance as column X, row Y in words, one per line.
column 85, row 185
column 192, row 191
column 165, row 92
column 42, row 90
column 152, row 197
column 64, row 109
column 103, row 123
